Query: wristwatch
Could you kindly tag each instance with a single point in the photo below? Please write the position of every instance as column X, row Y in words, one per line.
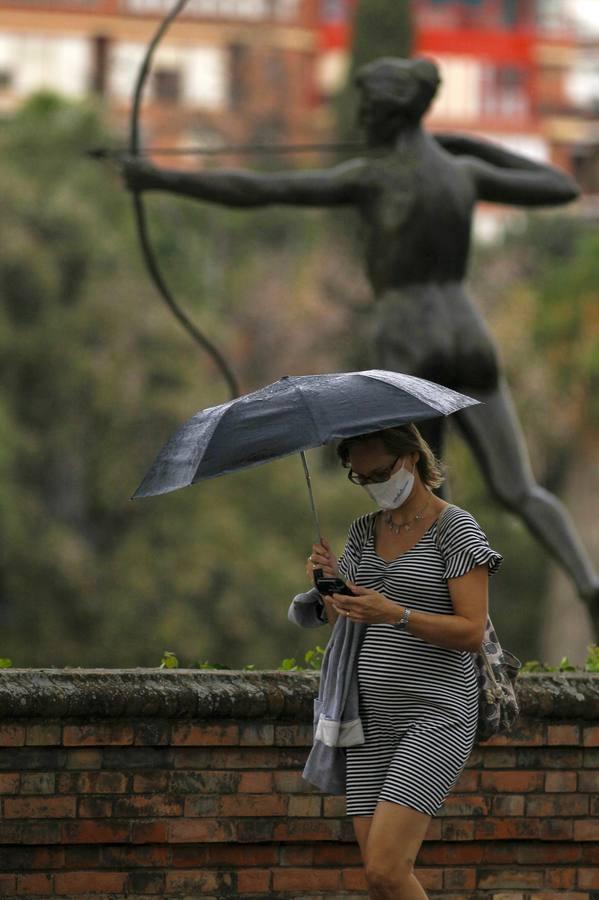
column 403, row 622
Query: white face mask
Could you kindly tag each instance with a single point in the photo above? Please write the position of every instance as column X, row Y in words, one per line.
column 392, row 493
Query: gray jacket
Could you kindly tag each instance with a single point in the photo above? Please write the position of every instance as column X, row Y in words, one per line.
column 336, row 714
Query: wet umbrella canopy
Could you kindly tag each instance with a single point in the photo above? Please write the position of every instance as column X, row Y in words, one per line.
column 290, row 416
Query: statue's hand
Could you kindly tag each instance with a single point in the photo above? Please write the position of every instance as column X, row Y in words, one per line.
column 137, row 174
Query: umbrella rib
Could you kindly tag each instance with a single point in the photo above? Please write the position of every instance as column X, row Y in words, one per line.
column 298, row 388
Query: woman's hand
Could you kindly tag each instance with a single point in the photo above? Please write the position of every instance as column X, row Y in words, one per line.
column 367, row 606
column 322, row 557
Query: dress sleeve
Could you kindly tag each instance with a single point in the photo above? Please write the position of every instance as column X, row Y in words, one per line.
column 464, row 545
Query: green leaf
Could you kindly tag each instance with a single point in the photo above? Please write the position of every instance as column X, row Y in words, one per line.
column 565, row 665
column 592, row 660
column 532, row 665
column 5, row 663
column 313, row 658
column 289, row 665
column 169, row 660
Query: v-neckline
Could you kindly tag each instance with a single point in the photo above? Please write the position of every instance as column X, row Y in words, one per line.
column 409, row 550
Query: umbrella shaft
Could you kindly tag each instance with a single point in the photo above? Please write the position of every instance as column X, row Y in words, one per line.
column 312, row 504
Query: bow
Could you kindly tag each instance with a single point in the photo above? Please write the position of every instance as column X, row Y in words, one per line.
column 140, row 213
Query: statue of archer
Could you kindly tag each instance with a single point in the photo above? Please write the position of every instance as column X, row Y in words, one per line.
column 415, row 194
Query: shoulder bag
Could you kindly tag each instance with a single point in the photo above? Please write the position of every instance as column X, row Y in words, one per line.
column 496, row 671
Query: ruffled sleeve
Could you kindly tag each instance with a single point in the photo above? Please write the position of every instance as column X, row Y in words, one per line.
column 463, row 544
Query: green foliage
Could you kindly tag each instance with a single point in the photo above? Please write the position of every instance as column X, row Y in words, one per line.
column 169, row 660
column 381, row 28
column 96, row 375
column 312, row 659
column 591, row 663
column 5, row 663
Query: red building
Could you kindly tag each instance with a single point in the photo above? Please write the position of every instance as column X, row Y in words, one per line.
column 505, row 67
column 227, row 70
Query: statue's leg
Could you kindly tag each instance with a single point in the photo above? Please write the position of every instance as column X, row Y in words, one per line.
column 411, row 333
column 433, row 431
column 493, row 432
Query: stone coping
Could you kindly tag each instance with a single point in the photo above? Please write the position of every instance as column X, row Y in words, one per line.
column 218, row 694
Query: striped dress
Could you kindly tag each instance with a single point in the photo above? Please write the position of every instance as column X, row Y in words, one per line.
column 418, row 701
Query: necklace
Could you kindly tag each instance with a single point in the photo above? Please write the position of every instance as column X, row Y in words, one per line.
column 396, row 527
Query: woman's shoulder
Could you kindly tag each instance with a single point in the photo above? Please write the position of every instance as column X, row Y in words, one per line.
column 463, row 543
column 361, row 527
column 454, row 513
column 457, row 521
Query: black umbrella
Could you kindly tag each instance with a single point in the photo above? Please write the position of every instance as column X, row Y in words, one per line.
column 291, row 416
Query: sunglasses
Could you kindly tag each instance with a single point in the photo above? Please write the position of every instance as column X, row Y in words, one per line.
column 374, row 477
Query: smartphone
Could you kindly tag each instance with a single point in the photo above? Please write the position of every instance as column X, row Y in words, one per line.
column 328, row 585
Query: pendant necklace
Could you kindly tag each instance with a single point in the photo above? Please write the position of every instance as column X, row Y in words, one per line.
column 396, row 527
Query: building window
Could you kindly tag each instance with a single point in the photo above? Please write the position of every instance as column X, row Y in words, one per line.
column 504, row 94
column 166, row 84
column 333, row 10
column 510, row 12
column 238, row 82
column 100, row 56
column 550, row 14
column 6, row 80
column 459, row 97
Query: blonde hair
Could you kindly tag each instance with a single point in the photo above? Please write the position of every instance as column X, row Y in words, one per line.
column 400, row 441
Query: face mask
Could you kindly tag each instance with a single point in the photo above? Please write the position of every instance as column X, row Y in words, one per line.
column 392, row 493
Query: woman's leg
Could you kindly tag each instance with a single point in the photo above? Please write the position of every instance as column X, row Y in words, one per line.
column 392, row 841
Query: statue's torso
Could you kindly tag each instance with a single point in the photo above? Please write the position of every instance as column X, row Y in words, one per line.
column 417, row 217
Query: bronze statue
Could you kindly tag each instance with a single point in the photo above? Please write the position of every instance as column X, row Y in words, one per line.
column 415, row 193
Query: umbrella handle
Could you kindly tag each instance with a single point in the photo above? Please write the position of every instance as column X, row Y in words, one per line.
column 312, row 504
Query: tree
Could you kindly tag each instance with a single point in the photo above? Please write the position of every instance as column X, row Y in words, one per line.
column 380, row 28
column 96, row 375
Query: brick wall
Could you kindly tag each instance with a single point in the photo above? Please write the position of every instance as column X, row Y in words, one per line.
column 145, row 783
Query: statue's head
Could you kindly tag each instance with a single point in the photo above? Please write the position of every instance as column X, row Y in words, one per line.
column 395, row 90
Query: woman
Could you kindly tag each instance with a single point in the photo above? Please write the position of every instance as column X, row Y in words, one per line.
column 418, row 569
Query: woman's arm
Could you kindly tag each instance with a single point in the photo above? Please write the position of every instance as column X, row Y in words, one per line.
column 466, row 628
column 462, row 631
column 338, row 185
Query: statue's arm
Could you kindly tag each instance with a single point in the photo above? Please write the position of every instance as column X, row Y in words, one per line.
column 502, row 176
column 244, row 188
column 544, row 187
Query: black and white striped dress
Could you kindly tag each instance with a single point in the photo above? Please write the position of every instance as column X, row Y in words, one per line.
column 418, row 701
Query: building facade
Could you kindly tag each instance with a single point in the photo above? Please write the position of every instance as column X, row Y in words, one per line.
column 227, row 71
column 520, row 72
column 510, row 69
